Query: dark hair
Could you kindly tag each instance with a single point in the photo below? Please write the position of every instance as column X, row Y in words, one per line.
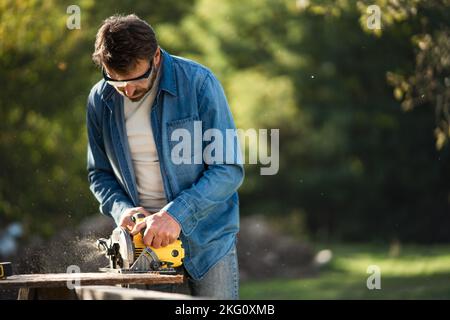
column 121, row 40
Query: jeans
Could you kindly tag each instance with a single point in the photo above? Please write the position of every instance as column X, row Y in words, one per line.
column 220, row 282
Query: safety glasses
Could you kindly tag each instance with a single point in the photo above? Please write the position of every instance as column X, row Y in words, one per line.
column 123, row 83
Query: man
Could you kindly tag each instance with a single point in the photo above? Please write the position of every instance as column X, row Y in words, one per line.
column 145, row 98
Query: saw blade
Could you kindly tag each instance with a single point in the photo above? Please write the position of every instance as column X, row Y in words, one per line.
column 125, row 243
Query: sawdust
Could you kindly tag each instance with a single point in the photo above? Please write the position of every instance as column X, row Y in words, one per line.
column 77, row 246
column 57, row 255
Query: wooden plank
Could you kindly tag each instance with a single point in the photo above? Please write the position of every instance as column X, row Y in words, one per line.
column 94, row 278
column 118, row 293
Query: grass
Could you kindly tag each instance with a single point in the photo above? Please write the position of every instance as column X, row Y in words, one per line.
column 412, row 272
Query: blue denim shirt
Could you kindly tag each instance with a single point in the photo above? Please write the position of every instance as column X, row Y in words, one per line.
column 201, row 197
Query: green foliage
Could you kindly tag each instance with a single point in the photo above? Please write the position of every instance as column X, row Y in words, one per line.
column 352, row 162
column 46, row 74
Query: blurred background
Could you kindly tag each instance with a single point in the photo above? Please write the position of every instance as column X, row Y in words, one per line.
column 364, row 124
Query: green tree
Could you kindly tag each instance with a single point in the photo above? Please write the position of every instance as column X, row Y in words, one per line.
column 46, row 74
column 352, row 162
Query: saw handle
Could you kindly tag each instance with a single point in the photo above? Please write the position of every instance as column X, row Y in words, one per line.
column 169, row 256
column 138, row 217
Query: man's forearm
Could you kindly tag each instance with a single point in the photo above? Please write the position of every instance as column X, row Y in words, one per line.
column 113, row 201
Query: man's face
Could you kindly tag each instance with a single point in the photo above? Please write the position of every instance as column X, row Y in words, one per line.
column 135, row 90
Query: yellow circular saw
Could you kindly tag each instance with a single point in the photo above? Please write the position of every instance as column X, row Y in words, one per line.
column 127, row 253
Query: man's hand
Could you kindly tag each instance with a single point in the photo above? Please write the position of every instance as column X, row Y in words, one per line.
column 125, row 219
column 161, row 229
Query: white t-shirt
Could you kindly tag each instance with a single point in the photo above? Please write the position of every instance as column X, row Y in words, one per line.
column 144, row 155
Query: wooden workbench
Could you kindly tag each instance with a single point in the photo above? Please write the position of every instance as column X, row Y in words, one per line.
column 56, row 285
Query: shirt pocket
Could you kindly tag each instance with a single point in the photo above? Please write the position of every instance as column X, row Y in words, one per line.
column 186, row 149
